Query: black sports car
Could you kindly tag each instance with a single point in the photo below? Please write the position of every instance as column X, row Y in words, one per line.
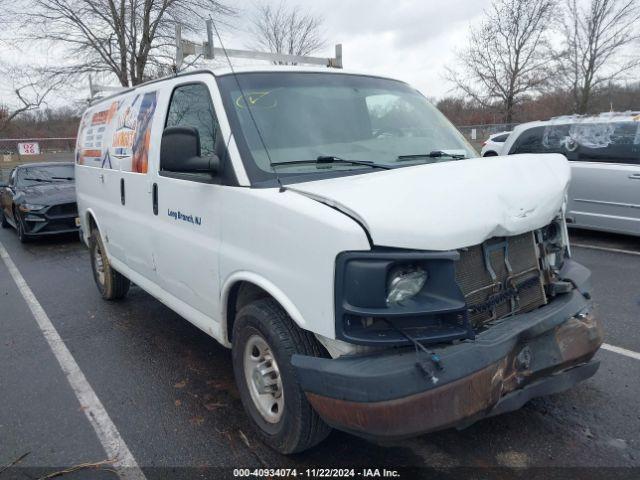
column 40, row 199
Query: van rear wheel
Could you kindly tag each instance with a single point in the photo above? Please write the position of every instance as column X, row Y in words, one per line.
column 111, row 284
column 264, row 339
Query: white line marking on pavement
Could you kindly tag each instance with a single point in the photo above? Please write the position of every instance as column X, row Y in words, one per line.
column 605, row 249
column 113, row 444
column 621, row 351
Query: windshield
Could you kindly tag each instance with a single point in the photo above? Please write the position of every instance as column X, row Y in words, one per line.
column 29, row 176
column 302, row 117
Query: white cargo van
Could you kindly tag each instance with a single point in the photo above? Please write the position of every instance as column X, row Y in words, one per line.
column 336, row 232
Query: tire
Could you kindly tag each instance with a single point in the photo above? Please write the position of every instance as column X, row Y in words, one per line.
column 298, row 427
column 111, row 284
column 490, row 154
column 3, row 219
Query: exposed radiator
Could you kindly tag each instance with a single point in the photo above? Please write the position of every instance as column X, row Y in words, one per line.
column 500, row 277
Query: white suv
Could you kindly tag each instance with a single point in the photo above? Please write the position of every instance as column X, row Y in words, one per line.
column 334, row 231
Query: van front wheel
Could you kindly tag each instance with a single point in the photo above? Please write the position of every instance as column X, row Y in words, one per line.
column 111, row 284
column 264, row 339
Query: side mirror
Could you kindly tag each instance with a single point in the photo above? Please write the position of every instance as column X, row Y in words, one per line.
column 180, row 152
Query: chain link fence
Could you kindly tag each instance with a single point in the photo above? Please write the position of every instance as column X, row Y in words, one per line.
column 33, row 150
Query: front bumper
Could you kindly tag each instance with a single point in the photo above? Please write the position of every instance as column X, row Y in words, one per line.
column 51, row 220
column 385, row 395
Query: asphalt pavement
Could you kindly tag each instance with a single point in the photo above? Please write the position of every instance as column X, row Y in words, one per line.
column 169, row 389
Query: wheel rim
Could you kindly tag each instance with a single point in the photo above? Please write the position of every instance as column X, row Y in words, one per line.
column 263, row 379
column 98, row 264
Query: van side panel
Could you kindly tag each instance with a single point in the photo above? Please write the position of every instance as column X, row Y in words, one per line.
column 184, row 263
column 112, row 157
column 137, row 177
column 291, row 243
column 605, row 196
column 97, row 177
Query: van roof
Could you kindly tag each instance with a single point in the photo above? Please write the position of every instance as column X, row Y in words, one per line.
column 628, row 116
column 225, row 70
column 606, row 117
column 218, row 71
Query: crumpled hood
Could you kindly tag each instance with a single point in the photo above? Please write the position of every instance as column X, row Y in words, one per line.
column 450, row 205
column 48, row 194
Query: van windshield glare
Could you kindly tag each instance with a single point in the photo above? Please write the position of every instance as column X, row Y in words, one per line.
column 353, row 117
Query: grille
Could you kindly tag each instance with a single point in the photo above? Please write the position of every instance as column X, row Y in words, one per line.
column 59, row 225
column 63, row 209
column 515, row 286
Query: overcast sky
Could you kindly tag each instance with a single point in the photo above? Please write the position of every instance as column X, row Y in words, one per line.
column 411, row 40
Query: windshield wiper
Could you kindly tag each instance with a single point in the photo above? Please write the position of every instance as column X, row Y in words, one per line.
column 330, row 159
column 37, row 179
column 62, row 178
column 432, row 154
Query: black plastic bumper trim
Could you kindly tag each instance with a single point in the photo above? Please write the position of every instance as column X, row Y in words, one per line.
column 392, row 374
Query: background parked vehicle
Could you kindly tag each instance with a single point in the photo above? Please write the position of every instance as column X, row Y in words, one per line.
column 604, row 152
column 493, row 146
column 40, row 199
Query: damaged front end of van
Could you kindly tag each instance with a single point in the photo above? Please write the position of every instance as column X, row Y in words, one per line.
column 462, row 321
column 408, row 391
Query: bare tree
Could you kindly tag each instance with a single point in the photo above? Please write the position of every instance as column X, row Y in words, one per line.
column 30, row 90
column 286, row 30
column 506, row 56
column 595, row 39
column 127, row 38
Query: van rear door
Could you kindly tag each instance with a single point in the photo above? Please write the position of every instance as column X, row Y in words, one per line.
column 605, row 170
column 605, row 189
column 605, row 196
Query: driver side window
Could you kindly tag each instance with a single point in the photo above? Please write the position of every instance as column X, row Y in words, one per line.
column 191, row 106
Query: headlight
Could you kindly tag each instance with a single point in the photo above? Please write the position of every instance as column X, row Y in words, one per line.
column 405, row 282
column 30, row 207
column 554, row 240
column 379, row 293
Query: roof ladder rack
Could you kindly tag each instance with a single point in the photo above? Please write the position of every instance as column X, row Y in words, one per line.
column 95, row 90
column 185, row 48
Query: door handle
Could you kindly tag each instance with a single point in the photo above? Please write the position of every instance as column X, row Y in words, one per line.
column 122, row 196
column 154, row 196
column 635, row 176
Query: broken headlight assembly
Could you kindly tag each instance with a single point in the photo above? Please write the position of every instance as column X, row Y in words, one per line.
column 553, row 245
column 388, row 297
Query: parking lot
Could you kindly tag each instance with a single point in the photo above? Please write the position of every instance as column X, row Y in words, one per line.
column 169, row 391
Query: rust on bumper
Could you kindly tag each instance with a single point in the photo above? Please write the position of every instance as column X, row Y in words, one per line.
column 530, row 363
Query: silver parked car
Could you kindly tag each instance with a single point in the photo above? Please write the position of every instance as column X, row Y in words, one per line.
column 604, row 151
